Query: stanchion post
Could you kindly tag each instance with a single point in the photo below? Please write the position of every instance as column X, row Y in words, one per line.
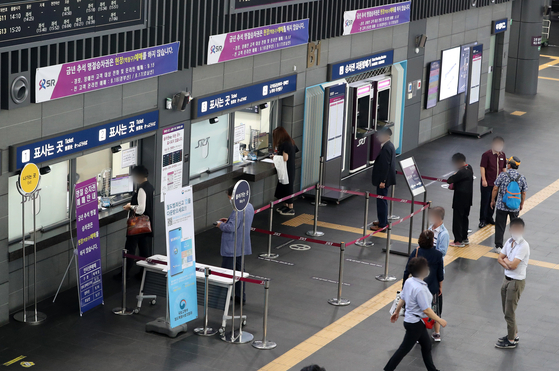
column 364, row 242
column 122, row 311
column 391, row 215
column 411, row 224
column 339, row 301
column 321, row 182
column 315, row 232
column 265, row 344
column 205, row 331
column 386, row 277
column 269, row 254
column 24, row 312
column 424, row 225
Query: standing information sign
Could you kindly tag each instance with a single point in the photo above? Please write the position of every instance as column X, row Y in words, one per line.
column 172, row 150
column 181, row 267
column 88, row 246
column 416, row 187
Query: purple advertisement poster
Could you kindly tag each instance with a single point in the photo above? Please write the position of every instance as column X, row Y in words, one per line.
column 370, row 19
column 240, row 44
column 88, row 246
column 73, row 78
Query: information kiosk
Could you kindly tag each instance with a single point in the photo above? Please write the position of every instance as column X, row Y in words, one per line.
column 359, row 116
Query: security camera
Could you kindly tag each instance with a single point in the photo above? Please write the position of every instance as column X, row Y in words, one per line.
column 214, row 120
column 181, row 100
column 263, row 106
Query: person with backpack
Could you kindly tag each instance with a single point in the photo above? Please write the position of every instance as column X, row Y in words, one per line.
column 508, row 198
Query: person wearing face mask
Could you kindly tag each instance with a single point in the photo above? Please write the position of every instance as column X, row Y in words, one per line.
column 514, row 258
column 434, row 279
column 417, row 298
column 462, row 183
column 493, row 162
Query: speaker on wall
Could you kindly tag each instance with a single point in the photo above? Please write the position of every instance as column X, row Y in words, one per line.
column 16, row 90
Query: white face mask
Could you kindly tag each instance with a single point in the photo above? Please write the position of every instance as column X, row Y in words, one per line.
column 516, row 236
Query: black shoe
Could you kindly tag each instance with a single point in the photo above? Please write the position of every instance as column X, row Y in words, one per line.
column 491, row 221
column 516, row 339
column 506, row 344
column 280, row 209
column 482, row 224
column 287, row 211
column 238, row 300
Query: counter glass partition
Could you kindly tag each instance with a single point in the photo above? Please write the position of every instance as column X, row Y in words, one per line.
column 209, row 145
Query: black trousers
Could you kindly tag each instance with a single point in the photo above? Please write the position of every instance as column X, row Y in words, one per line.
column 382, row 207
column 415, row 332
column 501, row 225
column 460, row 223
column 227, row 262
column 140, row 241
column 485, row 210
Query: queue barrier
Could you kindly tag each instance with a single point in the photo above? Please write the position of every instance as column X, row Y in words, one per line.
column 264, row 344
column 273, row 203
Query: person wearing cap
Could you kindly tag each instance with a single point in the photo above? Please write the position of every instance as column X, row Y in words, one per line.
column 499, row 190
column 384, row 175
column 493, row 162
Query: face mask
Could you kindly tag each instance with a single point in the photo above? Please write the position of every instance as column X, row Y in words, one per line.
column 516, row 236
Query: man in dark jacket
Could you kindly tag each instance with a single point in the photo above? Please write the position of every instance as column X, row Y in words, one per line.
column 462, row 182
column 384, row 175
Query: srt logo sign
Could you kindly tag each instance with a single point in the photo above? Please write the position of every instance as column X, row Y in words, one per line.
column 216, row 49
column 45, row 84
column 362, row 141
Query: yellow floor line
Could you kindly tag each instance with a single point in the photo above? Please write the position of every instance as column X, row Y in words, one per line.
column 547, row 78
column 537, row 263
column 549, row 56
column 549, row 64
column 313, row 344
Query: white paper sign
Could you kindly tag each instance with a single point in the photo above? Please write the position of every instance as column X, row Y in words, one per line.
column 129, row 157
column 239, row 133
column 171, row 162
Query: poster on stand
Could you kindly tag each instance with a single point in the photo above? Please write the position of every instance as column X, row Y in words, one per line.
column 336, row 116
column 477, row 55
column 412, row 175
column 181, row 257
column 88, row 245
column 172, row 149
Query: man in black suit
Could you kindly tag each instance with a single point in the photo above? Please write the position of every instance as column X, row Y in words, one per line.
column 462, row 183
column 384, row 175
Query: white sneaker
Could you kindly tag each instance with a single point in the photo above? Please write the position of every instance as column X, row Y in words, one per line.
column 498, row 250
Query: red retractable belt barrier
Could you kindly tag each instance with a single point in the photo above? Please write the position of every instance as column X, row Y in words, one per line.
column 442, row 180
column 243, row 279
column 284, row 199
column 401, row 200
column 291, row 237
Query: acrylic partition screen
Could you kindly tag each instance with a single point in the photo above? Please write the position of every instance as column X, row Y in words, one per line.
column 209, row 145
column 450, row 71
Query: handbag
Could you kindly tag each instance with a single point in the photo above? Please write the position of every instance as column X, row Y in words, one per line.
column 138, row 224
column 281, row 167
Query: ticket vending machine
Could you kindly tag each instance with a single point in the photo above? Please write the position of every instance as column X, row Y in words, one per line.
column 360, row 130
column 380, row 113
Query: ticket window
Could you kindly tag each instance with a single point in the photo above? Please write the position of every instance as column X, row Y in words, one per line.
column 253, row 131
column 209, row 145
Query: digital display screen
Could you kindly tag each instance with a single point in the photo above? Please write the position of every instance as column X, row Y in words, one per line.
column 450, row 71
column 34, row 20
column 413, row 178
column 464, row 68
column 433, row 86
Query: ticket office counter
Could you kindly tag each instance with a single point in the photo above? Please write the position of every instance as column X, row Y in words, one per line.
column 54, row 207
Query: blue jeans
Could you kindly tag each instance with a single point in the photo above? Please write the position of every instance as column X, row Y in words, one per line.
column 382, row 207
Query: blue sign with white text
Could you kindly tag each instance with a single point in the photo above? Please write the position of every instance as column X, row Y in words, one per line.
column 360, row 65
column 500, row 26
column 77, row 141
column 242, row 96
column 241, row 195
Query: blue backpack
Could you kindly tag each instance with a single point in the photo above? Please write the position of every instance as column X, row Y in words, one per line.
column 511, row 198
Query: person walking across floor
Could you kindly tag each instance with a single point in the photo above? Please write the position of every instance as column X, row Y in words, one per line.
column 508, row 198
column 436, row 224
column 426, row 242
column 493, row 162
column 514, row 258
column 417, row 298
column 384, row 175
column 228, row 227
column 462, row 183
column 140, row 204
column 285, row 147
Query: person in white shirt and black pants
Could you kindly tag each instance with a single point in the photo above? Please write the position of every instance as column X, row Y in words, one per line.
column 514, row 258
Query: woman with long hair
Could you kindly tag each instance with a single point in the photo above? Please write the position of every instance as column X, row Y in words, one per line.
column 285, row 147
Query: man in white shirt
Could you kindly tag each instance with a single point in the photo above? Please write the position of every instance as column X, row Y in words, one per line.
column 514, row 258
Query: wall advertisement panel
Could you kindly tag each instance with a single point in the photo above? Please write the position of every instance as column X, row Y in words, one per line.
column 171, row 162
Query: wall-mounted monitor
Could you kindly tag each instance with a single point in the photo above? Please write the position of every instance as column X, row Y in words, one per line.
column 450, row 72
column 433, row 86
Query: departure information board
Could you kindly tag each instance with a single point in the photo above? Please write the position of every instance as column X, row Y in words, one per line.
column 35, row 20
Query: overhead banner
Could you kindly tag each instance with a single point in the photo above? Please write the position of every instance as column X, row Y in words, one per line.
column 254, row 41
column 171, row 166
column 181, row 257
column 88, row 245
column 477, row 55
column 363, row 20
column 64, row 80
column 82, row 140
column 359, row 65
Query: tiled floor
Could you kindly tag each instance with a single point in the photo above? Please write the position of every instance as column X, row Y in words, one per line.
column 360, row 336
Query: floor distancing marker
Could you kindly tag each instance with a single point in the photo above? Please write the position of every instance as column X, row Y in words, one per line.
column 518, row 113
column 331, row 332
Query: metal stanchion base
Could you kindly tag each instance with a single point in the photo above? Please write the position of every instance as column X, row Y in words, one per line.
column 339, row 303
column 30, row 317
column 320, row 204
column 269, row 256
column 364, row 243
column 383, row 278
column 264, row 345
column 205, row 331
column 122, row 312
column 242, row 338
column 393, row 217
column 315, row 234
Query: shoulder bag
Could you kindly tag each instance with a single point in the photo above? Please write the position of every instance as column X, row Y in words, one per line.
column 138, row 224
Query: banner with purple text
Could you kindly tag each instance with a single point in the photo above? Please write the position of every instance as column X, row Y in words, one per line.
column 370, row 19
column 63, row 80
column 88, row 245
column 240, row 44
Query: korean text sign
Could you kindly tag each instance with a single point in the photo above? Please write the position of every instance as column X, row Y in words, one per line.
column 181, row 256
column 63, row 80
column 171, row 165
column 240, row 44
column 370, row 19
column 242, row 96
column 359, row 65
column 88, row 245
column 66, row 144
